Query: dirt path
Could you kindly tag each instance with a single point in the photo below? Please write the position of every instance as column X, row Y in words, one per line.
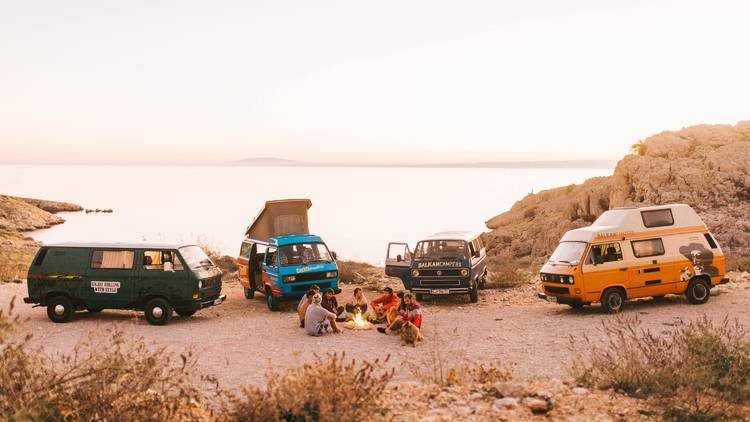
column 238, row 340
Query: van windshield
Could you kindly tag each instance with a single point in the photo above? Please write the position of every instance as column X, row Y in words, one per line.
column 304, row 253
column 195, row 257
column 568, row 252
column 440, row 249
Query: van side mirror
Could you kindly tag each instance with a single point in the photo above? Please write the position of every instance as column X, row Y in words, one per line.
column 399, row 258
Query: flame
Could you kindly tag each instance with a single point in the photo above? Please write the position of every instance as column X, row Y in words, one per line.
column 359, row 323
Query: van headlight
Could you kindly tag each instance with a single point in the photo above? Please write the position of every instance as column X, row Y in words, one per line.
column 332, row 274
column 200, row 284
column 464, row 272
column 289, row 278
column 415, row 273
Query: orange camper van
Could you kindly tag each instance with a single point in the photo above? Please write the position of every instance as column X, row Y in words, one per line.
column 628, row 253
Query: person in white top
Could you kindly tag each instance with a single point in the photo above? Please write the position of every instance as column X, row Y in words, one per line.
column 166, row 259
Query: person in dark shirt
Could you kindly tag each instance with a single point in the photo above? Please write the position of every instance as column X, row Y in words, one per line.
column 331, row 304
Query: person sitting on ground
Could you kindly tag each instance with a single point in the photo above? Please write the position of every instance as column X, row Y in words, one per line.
column 318, row 320
column 304, row 300
column 332, row 304
column 358, row 303
column 303, row 305
column 381, row 305
column 411, row 311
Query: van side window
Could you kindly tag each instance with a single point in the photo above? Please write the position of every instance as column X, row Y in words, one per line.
column 121, row 260
column 648, row 247
column 40, row 257
column 472, row 251
column 271, row 256
column 657, row 218
column 710, row 240
column 605, row 252
column 154, row 260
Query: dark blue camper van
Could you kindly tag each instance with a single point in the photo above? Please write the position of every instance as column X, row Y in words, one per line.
column 452, row 262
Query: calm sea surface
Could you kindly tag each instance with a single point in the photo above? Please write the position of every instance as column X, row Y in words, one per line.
column 357, row 211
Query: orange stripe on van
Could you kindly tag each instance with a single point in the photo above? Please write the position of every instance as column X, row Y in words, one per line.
column 646, row 234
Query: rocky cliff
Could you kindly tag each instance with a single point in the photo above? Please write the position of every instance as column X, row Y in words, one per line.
column 18, row 215
column 705, row 166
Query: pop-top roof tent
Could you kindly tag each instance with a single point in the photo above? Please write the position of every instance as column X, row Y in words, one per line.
column 634, row 222
column 278, row 218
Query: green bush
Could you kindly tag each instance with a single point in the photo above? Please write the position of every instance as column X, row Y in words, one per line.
column 696, row 372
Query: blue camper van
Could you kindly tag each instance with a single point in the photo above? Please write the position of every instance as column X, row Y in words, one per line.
column 280, row 259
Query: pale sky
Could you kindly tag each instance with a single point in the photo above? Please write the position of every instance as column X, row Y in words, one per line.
column 187, row 81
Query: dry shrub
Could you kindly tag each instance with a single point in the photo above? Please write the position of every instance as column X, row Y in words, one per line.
column 505, row 277
column 696, row 372
column 226, row 263
column 448, row 367
column 108, row 377
column 328, row 389
column 354, row 272
column 14, row 262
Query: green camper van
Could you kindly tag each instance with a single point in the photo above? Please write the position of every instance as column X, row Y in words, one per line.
column 151, row 277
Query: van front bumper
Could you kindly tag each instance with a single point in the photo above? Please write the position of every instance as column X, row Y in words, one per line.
column 209, row 303
column 560, row 299
column 440, row 290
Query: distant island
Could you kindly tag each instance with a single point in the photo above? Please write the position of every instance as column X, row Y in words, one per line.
column 280, row 162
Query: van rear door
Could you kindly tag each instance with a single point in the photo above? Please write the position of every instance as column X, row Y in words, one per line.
column 398, row 260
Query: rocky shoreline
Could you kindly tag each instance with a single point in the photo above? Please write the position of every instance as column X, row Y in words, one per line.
column 19, row 215
column 705, row 166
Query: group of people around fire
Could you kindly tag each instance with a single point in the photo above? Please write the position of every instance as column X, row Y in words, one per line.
column 319, row 313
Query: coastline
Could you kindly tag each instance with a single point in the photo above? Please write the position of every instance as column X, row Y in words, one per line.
column 19, row 216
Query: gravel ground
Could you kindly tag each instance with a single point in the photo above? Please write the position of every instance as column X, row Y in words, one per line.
column 239, row 340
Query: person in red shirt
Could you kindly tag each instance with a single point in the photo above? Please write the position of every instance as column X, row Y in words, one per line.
column 410, row 311
column 382, row 305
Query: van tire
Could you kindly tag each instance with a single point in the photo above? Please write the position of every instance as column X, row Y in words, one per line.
column 698, row 291
column 249, row 292
column 613, row 300
column 158, row 311
column 474, row 293
column 60, row 309
column 186, row 312
column 271, row 301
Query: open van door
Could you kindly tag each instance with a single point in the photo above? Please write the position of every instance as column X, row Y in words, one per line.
column 398, row 260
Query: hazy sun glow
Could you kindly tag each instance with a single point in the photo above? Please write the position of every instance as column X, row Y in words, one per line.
column 197, row 82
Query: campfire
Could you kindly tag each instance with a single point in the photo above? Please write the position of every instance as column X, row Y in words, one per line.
column 358, row 323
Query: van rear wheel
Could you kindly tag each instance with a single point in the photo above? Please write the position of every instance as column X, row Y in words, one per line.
column 613, row 300
column 698, row 291
column 158, row 311
column 60, row 309
column 249, row 292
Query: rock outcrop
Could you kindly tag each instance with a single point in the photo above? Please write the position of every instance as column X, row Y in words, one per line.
column 705, row 166
column 19, row 215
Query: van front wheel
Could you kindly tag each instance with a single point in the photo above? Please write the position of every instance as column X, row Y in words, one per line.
column 60, row 309
column 158, row 311
column 271, row 301
column 612, row 300
column 473, row 293
column 698, row 291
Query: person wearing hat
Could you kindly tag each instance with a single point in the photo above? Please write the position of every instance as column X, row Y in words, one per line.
column 318, row 320
column 382, row 307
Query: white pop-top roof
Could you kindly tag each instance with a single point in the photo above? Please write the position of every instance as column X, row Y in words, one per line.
column 624, row 223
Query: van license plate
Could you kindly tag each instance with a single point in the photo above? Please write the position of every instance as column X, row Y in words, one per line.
column 552, row 299
column 440, row 291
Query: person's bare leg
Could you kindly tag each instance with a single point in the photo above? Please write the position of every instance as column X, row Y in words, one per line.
column 334, row 326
